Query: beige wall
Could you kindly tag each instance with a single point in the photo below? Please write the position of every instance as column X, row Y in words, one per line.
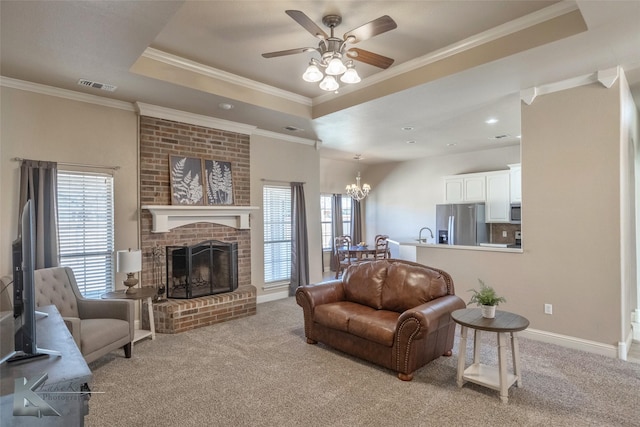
column 280, row 162
column 571, row 189
column 42, row 127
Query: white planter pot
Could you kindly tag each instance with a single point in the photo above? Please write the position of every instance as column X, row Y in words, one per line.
column 489, row 311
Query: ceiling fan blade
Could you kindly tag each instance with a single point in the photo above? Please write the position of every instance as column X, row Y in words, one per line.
column 307, row 23
column 369, row 58
column 288, row 52
column 371, row 29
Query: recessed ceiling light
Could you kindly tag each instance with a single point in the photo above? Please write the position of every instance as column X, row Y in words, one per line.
column 412, row 141
column 451, row 144
column 491, row 121
column 408, row 128
column 225, row 106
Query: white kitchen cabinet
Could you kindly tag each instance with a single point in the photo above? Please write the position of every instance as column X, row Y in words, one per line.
column 465, row 188
column 516, row 183
column 498, row 196
column 453, row 190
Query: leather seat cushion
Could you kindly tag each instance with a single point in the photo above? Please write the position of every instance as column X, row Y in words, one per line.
column 363, row 283
column 378, row 326
column 336, row 315
column 98, row 333
column 409, row 286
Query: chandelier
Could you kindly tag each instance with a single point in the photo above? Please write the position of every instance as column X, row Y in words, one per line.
column 354, row 190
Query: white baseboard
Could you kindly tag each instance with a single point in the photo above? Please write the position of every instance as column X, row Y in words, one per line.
column 272, row 296
column 573, row 342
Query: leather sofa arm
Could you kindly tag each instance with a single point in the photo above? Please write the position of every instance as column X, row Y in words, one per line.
column 419, row 321
column 321, row 293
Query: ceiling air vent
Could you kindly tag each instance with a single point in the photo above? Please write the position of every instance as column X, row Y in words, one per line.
column 97, row 85
column 500, row 136
column 293, row 129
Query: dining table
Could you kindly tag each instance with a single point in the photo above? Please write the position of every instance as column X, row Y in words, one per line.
column 357, row 251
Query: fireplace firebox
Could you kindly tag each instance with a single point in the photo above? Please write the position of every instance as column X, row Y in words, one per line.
column 207, row 268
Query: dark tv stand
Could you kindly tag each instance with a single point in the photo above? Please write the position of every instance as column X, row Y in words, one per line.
column 66, row 388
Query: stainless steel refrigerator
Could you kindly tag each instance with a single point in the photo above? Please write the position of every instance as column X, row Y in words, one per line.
column 461, row 224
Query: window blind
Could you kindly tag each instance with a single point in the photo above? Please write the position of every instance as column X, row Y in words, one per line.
column 325, row 221
column 277, row 233
column 346, row 216
column 86, row 231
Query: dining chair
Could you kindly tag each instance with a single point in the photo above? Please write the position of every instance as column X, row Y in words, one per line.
column 382, row 247
column 342, row 258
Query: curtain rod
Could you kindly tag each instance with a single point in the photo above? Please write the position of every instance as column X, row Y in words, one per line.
column 279, row 182
column 115, row 168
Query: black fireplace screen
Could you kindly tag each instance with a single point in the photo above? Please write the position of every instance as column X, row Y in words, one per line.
column 208, row 268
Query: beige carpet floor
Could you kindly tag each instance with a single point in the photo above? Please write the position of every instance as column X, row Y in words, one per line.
column 259, row 371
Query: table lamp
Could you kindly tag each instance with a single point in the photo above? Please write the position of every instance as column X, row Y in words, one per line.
column 130, row 262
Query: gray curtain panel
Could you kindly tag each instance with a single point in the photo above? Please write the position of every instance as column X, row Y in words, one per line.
column 336, row 227
column 38, row 182
column 299, row 240
column 356, row 222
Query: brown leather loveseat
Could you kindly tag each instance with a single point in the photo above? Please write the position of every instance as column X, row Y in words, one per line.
column 394, row 313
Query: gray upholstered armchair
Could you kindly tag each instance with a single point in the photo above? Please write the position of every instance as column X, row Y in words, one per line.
column 98, row 326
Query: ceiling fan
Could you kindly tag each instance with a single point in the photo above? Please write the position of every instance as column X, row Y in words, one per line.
column 333, row 49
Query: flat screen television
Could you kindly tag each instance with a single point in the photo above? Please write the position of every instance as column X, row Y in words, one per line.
column 24, row 304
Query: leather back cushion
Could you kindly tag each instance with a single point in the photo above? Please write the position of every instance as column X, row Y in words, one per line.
column 409, row 286
column 363, row 283
column 53, row 287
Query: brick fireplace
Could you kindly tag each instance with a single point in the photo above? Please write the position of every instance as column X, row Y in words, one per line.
column 160, row 138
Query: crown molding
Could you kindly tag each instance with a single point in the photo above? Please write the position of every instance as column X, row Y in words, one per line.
column 65, row 93
column 490, row 35
column 285, row 137
column 205, row 70
column 606, row 77
column 192, row 118
column 212, row 122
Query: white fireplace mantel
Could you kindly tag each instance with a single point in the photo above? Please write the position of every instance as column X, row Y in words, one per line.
column 168, row 217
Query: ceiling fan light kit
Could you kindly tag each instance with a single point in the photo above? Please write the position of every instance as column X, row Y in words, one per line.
column 333, row 49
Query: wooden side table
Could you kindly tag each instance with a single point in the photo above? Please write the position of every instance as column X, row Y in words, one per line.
column 141, row 293
column 506, row 325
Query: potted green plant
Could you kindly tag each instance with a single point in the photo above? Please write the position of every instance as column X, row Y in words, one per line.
column 486, row 298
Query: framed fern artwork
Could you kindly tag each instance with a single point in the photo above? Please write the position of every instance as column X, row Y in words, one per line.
column 187, row 185
column 218, row 182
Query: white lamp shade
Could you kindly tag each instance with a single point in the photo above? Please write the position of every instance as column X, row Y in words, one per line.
column 350, row 76
column 312, row 74
column 129, row 261
column 335, row 67
column 329, row 84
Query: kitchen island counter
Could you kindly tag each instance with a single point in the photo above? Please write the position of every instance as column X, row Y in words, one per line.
column 407, row 248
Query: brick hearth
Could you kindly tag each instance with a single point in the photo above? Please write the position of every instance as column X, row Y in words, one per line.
column 179, row 315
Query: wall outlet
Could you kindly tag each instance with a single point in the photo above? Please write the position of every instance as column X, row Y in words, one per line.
column 504, row 233
column 548, row 309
